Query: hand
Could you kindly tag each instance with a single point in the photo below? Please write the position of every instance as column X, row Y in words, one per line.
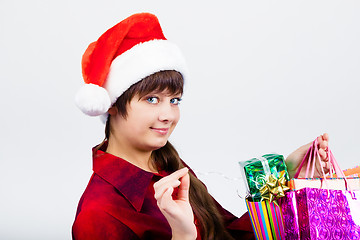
column 294, row 159
column 177, row 210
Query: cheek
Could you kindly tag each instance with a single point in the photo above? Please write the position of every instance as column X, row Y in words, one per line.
column 178, row 115
column 141, row 121
column 176, row 118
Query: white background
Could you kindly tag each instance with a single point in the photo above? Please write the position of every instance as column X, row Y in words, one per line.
column 266, row 76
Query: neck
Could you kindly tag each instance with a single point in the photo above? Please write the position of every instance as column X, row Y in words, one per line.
column 137, row 157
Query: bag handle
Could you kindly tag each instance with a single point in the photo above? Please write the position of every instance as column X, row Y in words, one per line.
column 335, row 164
column 312, row 155
column 308, row 156
column 303, row 162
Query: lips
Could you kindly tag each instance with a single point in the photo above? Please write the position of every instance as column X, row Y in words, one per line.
column 162, row 131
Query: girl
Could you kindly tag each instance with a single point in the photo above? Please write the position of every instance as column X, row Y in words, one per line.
column 140, row 188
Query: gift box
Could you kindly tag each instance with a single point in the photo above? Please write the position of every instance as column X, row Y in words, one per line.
column 265, row 178
column 256, row 171
column 351, row 172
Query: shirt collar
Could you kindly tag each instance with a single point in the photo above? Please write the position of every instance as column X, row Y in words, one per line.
column 127, row 178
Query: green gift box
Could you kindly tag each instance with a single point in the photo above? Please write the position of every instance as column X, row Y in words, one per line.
column 256, row 170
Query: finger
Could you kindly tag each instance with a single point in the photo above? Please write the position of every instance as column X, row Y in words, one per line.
column 321, row 168
column 159, row 190
column 323, row 147
column 165, row 202
column 174, row 176
column 179, row 173
column 325, row 137
column 165, row 197
column 169, row 181
column 323, row 155
column 166, row 182
column 325, row 166
column 322, row 142
column 183, row 193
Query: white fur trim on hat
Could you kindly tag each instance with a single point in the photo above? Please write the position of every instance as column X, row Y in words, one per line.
column 141, row 61
column 93, row 100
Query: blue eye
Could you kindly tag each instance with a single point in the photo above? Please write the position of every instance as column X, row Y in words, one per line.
column 175, row 101
column 153, row 100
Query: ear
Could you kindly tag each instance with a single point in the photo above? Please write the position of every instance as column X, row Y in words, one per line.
column 113, row 111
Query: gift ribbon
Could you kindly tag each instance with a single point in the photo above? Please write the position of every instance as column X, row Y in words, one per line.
column 260, row 181
column 265, row 164
column 274, row 188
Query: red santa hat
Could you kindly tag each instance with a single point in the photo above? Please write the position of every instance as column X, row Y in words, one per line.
column 125, row 54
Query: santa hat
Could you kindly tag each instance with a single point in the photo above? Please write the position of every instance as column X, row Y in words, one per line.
column 125, row 54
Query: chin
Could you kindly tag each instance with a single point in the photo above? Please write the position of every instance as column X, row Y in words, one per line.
column 157, row 146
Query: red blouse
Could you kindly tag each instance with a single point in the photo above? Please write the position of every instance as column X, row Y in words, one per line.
column 119, row 203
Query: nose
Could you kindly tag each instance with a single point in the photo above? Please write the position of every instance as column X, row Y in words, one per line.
column 168, row 113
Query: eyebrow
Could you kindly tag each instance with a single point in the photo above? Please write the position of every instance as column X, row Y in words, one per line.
column 166, row 93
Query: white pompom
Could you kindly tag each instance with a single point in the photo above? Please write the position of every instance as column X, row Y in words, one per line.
column 93, row 100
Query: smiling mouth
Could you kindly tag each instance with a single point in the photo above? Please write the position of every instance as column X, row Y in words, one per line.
column 162, row 131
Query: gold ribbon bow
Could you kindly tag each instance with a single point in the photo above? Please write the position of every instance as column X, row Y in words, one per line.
column 274, row 188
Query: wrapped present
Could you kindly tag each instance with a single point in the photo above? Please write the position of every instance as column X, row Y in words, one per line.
column 265, row 178
column 351, row 172
column 256, row 172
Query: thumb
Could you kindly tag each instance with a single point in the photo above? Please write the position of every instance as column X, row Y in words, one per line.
column 183, row 193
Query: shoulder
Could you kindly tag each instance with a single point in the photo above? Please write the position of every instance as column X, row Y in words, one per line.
column 95, row 223
column 99, row 192
column 94, row 213
column 99, row 196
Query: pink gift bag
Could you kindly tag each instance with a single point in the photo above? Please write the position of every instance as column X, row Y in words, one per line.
column 321, row 213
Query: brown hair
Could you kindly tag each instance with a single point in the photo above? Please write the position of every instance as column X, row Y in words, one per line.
column 166, row 158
